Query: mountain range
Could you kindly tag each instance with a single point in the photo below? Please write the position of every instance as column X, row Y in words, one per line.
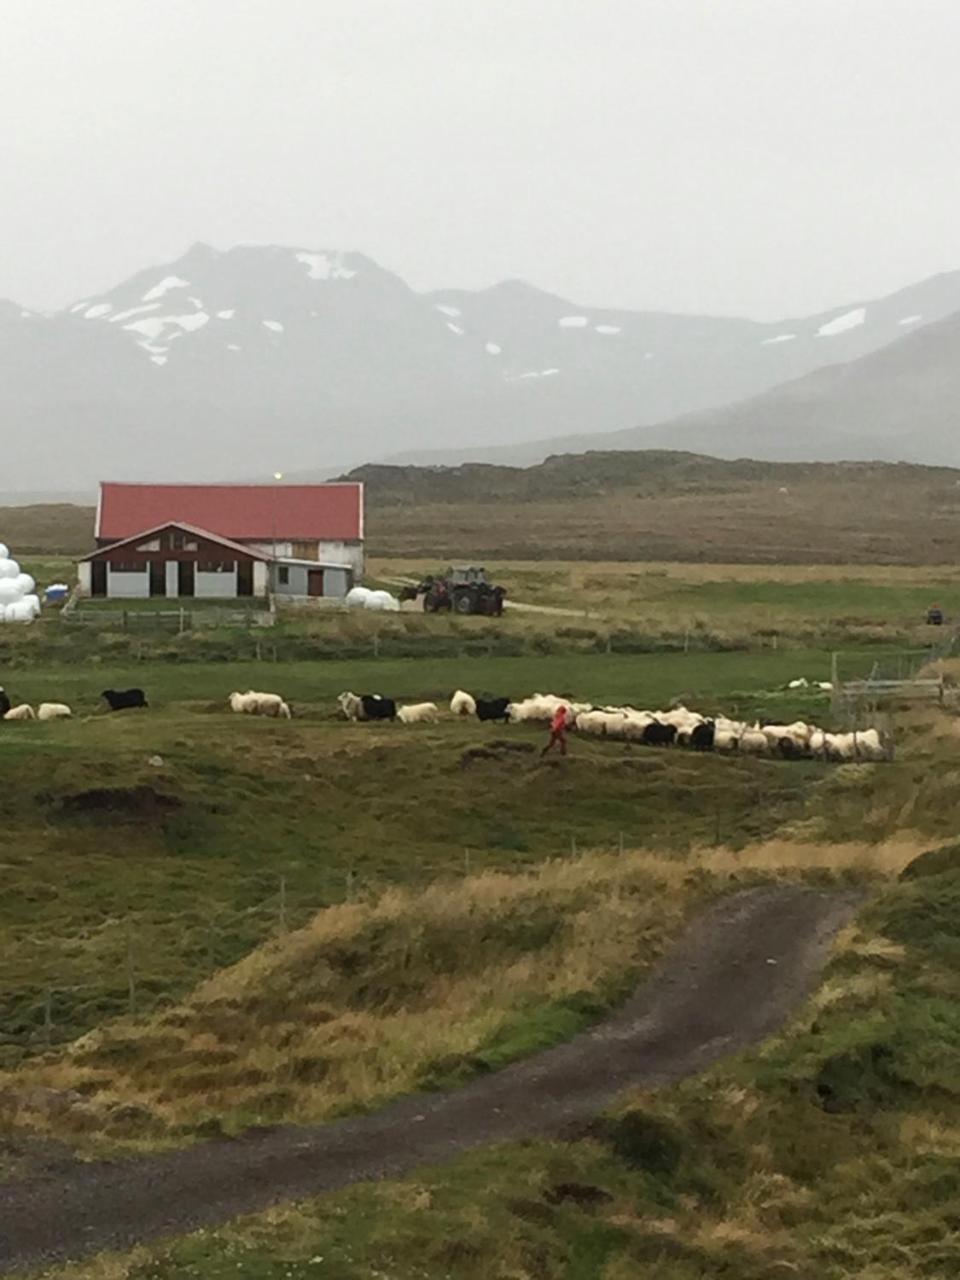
column 239, row 363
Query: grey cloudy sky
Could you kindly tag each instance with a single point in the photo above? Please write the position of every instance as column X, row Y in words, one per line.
column 759, row 157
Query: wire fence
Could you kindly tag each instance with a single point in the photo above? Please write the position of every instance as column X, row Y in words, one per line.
column 141, row 968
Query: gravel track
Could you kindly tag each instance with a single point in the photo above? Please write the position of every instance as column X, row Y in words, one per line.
column 731, row 980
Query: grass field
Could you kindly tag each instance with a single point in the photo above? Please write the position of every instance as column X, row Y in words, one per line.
column 251, row 921
column 829, row 1152
column 188, row 854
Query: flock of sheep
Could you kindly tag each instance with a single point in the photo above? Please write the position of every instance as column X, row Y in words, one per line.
column 45, row 711
column 676, row 727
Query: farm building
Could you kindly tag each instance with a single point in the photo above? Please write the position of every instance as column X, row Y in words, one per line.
column 225, row 541
column 314, row 522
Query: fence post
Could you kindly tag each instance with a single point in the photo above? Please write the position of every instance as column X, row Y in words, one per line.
column 131, row 975
column 466, row 861
column 620, row 845
column 283, row 904
column 48, row 1016
column 573, row 846
column 258, row 650
column 350, row 885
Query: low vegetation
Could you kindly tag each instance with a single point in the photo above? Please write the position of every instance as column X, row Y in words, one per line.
column 830, row 1151
column 406, row 991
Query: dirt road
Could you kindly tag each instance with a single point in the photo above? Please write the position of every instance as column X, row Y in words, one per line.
column 730, row 981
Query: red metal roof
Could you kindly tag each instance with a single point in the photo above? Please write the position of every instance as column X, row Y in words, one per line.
column 259, row 512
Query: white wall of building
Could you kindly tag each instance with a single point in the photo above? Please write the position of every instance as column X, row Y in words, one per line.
column 215, row 586
column 83, row 577
column 172, row 579
column 334, row 552
column 128, row 586
column 261, row 577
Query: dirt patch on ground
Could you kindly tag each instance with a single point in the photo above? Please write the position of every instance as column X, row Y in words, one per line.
column 728, row 983
column 140, row 802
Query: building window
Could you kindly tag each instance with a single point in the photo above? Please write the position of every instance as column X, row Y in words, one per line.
column 283, row 576
column 122, row 566
column 216, row 566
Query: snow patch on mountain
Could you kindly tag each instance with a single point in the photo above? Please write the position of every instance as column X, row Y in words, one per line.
column 492, row 348
column 781, row 337
column 910, row 319
column 849, row 320
column 167, row 283
column 573, row 322
column 100, row 309
column 447, row 311
column 608, row 328
column 320, row 266
column 134, row 311
column 454, row 328
column 226, row 315
column 274, row 325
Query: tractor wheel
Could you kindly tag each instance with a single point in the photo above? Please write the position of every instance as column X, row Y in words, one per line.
column 464, row 603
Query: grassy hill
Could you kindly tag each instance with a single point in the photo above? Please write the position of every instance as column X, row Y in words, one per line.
column 667, row 506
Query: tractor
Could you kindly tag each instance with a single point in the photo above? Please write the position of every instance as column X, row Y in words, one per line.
column 464, row 590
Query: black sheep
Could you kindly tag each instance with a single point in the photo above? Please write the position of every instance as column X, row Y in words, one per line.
column 4, row 703
column 701, row 737
column 377, row 708
column 493, row 709
column 121, row 699
column 659, row 735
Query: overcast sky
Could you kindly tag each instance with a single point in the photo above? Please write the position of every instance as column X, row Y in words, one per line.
column 757, row 157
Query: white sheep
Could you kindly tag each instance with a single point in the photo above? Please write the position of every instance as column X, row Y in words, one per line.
column 23, row 712
column 53, row 711
column 351, row 706
column 253, row 703
column 419, row 713
column 463, row 704
column 754, row 742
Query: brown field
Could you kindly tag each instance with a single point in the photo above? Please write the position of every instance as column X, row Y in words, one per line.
column 859, row 520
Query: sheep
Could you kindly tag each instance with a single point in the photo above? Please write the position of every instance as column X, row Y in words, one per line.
column 53, row 711
column 703, row 736
column 350, row 706
column 368, row 706
column 5, row 703
column 754, row 742
column 271, row 704
column 598, row 723
column 870, row 745
column 659, row 735
column 463, row 704
column 725, row 739
column 121, row 699
column 493, row 709
column 23, row 712
column 419, row 713
column 797, row 733
column 253, row 703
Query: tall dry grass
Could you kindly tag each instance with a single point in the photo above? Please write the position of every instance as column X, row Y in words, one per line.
column 410, row 990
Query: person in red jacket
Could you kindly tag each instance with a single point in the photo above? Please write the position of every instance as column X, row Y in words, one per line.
column 558, row 732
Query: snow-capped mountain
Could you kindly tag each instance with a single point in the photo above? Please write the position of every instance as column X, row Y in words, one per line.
column 239, row 363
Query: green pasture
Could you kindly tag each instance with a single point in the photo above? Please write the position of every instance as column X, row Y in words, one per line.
column 178, row 837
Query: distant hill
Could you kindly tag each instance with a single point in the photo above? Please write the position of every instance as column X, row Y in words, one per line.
column 238, row 363
column 901, row 403
column 666, row 506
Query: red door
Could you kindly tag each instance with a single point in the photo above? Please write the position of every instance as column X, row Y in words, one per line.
column 314, row 582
